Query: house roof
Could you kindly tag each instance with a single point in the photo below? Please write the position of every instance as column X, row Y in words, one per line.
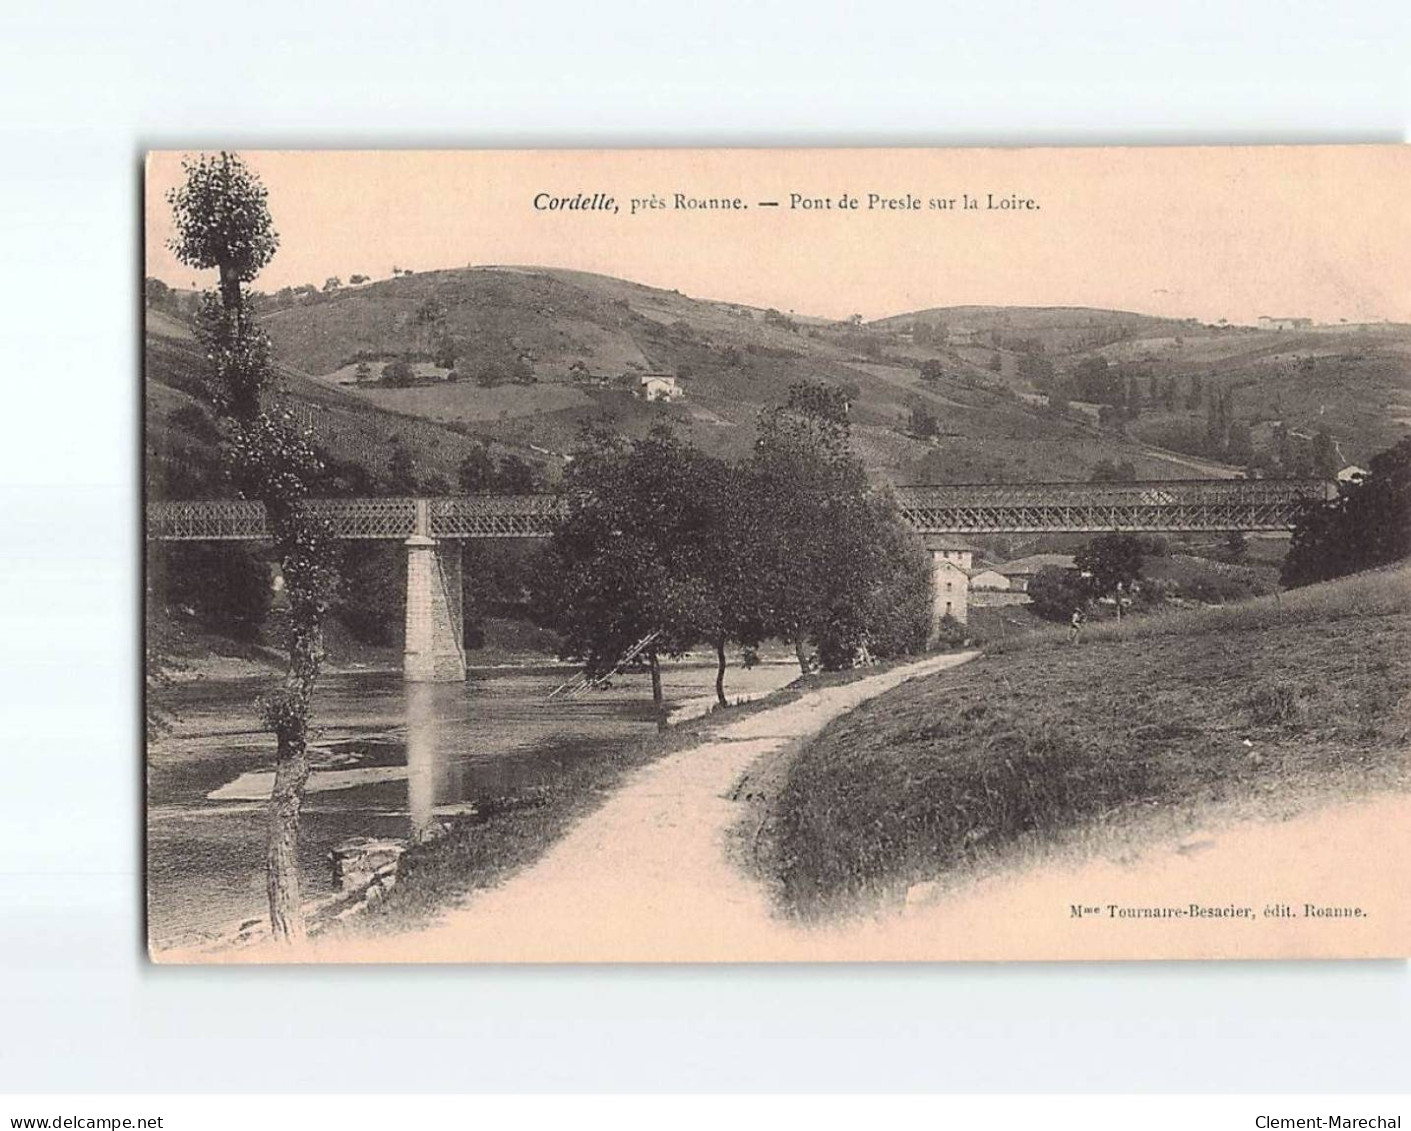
column 1033, row 563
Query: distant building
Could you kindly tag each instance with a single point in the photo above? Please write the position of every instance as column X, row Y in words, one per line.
column 951, row 562
column 989, row 580
column 1021, row 571
column 991, row 589
column 659, row 387
column 1268, row 323
column 1352, row 474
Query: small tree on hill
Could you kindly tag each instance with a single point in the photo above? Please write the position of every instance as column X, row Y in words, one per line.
column 398, row 374
column 476, row 471
column 401, row 472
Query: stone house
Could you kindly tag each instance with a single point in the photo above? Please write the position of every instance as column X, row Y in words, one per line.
column 659, row 387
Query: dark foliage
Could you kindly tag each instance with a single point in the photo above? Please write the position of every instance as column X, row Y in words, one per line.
column 1367, row 525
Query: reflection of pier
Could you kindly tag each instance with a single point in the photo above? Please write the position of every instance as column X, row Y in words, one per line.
column 432, row 529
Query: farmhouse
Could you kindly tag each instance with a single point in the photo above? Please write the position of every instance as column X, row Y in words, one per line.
column 659, row 387
column 1021, row 571
column 989, row 580
column 1352, row 474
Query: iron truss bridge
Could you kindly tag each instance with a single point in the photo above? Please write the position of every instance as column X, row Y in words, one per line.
column 1213, row 505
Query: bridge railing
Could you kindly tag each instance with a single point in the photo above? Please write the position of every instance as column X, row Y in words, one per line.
column 1190, row 505
column 470, row 516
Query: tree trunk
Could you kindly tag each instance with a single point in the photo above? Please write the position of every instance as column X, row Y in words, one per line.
column 802, row 653
column 720, row 672
column 289, row 719
column 656, row 689
column 286, row 918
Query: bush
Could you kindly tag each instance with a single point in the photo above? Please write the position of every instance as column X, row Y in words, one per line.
column 398, row 374
column 1057, row 592
column 950, row 633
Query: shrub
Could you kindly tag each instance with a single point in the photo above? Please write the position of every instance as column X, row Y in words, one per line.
column 950, row 633
column 398, row 374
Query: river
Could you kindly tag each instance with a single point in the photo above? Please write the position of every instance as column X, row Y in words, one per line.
column 389, row 759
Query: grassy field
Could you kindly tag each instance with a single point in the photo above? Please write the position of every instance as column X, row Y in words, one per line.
column 1040, row 739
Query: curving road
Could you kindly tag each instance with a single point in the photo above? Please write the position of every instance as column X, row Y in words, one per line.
column 648, row 877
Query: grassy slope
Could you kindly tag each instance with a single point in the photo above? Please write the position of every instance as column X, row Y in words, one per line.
column 1028, row 745
column 348, row 427
column 736, row 363
column 1353, row 380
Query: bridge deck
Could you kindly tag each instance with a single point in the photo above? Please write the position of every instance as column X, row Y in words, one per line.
column 1204, row 505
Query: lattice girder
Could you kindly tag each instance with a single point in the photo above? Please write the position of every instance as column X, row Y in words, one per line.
column 1196, row 506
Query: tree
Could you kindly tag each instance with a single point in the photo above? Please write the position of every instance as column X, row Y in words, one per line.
column 1056, row 592
column 1035, row 369
column 827, row 547
column 354, row 280
column 1112, row 563
column 332, row 283
column 363, row 373
column 932, row 369
column 490, row 374
column 1325, row 457
column 222, row 222
column 922, row 422
column 398, row 374
column 514, row 476
column 444, row 353
column 476, row 471
column 627, row 559
column 401, row 472
column 1368, row 524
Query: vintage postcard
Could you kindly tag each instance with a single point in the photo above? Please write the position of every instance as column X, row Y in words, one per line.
column 778, row 555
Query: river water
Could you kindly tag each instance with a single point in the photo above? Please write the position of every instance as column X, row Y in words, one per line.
column 389, row 760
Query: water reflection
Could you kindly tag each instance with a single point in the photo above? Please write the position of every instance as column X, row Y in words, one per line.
column 390, row 759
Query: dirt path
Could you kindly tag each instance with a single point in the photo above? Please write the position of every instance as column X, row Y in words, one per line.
column 648, row 876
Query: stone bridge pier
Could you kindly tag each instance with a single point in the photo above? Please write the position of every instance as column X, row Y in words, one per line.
column 435, row 639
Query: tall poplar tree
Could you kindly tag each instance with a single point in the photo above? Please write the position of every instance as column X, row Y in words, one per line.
column 223, row 223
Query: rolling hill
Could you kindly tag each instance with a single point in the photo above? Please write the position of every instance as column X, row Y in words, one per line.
column 577, row 343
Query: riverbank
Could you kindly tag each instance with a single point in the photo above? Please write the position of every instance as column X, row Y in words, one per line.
column 1040, row 743
column 500, row 841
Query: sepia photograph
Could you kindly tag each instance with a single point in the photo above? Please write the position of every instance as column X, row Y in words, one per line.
column 776, row 555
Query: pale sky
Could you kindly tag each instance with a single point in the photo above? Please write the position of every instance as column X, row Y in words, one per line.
column 1321, row 232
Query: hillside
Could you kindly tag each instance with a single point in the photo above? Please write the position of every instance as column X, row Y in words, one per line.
column 731, row 360
column 1352, row 380
column 537, row 352
column 179, row 433
column 1040, row 745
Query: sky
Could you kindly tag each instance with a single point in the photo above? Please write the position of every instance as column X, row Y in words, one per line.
column 1234, row 233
